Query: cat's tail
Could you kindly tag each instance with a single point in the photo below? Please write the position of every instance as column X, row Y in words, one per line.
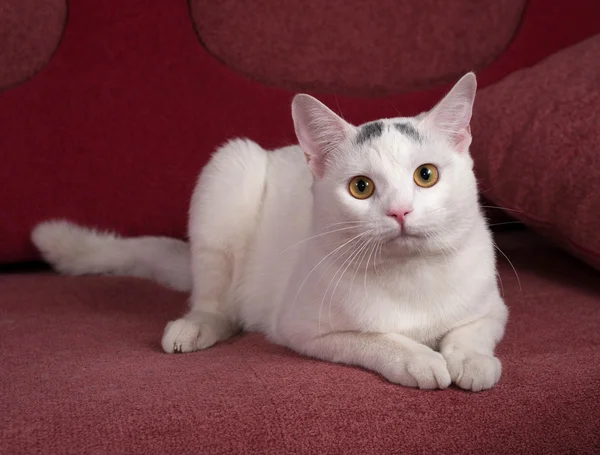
column 76, row 250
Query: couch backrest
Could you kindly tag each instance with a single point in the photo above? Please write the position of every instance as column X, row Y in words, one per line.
column 114, row 129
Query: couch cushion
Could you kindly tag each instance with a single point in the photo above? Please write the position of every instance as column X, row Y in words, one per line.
column 536, row 147
column 29, row 33
column 353, row 46
column 82, row 372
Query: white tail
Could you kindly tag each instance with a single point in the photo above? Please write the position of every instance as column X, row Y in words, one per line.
column 75, row 250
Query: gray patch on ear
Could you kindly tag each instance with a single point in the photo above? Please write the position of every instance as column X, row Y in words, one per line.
column 408, row 130
column 369, row 131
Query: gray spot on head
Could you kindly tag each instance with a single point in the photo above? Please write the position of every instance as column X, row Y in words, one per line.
column 408, row 130
column 369, row 131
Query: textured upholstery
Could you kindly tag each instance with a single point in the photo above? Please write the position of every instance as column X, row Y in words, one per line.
column 113, row 131
column 353, row 46
column 115, row 128
column 537, row 150
column 83, row 372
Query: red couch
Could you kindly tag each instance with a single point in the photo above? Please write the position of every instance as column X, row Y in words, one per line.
column 108, row 110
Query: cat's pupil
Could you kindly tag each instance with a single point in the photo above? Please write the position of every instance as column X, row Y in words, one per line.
column 361, row 186
column 425, row 173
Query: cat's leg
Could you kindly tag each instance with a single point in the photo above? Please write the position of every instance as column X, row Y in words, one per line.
column 223, row 215
column 211, row 317
column 396, row 357
column 469, row 350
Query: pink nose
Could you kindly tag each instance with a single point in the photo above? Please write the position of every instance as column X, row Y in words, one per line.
column 399, row 214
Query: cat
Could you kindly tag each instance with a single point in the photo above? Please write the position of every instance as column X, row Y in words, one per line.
column 363, row 245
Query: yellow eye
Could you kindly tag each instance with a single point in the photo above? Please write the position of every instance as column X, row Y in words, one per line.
column 361, row 187
column 426, row 175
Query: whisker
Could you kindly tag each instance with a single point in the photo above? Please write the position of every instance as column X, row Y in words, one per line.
column 511, row 264
column 367, row 266
column 344, row 222
column 435, row 238
column 361, row 259
column 435, row 210
column 343, row 252
column 331, row 281
column 501, row 283
column 316, row 236
column 377, row 250
column 385, row 269
column 397, row 111
column 501, row 208
column 351, row 260
column 492, row 187
column 321, row 261
column 338, row 105
column 505, row 222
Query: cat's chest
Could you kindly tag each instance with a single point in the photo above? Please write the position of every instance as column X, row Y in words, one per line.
column 422, row 308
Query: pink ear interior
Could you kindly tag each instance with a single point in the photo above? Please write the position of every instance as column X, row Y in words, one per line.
column 462, row 139
column 452, row 115
column 318, row 129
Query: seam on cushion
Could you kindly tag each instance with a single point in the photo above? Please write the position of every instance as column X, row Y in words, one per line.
column 200, row 40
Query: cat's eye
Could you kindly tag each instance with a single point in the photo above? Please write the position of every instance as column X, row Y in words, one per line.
column 426, row 175
column 361, row 187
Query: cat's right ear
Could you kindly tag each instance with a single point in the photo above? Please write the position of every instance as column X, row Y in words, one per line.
column 452, row 115
column 319, row 130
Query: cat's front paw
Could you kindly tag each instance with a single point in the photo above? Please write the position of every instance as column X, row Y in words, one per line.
column 473, row 371
column 185, row 335
column 425, row 369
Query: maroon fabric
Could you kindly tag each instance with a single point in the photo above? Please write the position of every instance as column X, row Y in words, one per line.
column 82, row 372
column 29, row 33
column 536, row 147
column 115, row 129
column 353, row 46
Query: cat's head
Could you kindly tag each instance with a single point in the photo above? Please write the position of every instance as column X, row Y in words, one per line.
column 406, row 183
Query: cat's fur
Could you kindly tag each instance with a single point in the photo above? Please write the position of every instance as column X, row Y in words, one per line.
column 283, row 248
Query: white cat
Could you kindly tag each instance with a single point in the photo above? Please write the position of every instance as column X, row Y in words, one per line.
column 376, row 254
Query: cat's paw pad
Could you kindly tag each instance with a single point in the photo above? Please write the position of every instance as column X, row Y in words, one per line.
column 185, row 335
column 424, row 369
column 473, row 371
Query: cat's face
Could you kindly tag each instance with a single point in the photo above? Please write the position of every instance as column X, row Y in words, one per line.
column 406, row 185
column 416, row 194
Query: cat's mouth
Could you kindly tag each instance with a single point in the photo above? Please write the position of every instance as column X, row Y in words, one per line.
column 404, row 233
column 409, row 234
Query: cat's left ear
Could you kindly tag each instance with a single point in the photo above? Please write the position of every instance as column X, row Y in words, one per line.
column 452, row 115
column 319, row 130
